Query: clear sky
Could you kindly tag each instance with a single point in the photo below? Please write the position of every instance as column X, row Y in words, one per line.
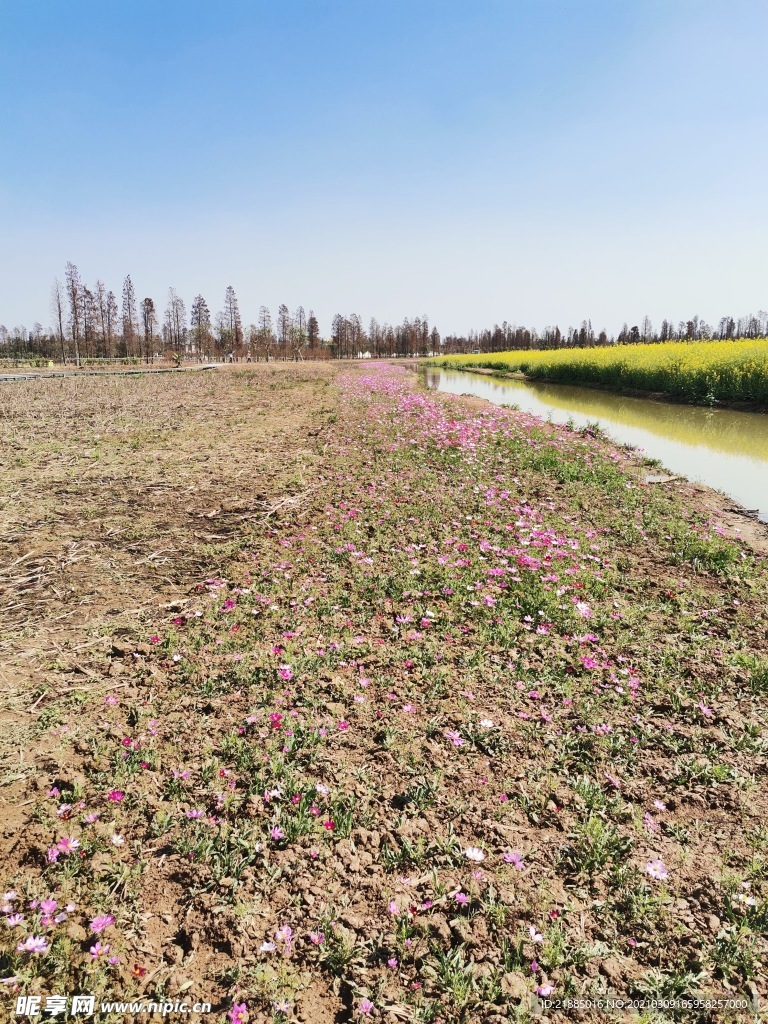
column 538, row 161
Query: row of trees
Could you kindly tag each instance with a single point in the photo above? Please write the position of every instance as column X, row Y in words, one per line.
column 508, row 336
column 89, row 323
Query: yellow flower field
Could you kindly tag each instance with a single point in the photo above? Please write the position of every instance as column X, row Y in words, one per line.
column 702, row 372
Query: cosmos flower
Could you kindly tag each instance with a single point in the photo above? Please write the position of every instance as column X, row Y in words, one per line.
column 101, row 923
column 35, row 944
column 657, row 869
column 514, row 858
column 474, row 853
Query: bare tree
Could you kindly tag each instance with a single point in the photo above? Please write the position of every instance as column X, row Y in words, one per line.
column 72, row 276
column 149, row 324
column 266, row 337
column 130, row 317
column 230, row 324
column 200, row 319
column 58, row 303
column 175, row 321
column 313, row 331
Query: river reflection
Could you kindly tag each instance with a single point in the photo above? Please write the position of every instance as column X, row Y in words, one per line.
column 723, row 448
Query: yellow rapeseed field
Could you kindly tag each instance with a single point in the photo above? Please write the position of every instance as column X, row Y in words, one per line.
column 703, row 371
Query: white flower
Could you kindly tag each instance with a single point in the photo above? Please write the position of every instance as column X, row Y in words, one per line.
column 750, row 901
column 474, row 853
column 534, row 935
column 486, row 723
column 657, row 869
column 266, row 947
column 117, row 840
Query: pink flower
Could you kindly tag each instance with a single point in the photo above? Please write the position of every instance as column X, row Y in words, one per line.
column 98, row 950
column 277, row 832
column 545, row 990
column 52, row 855
column 516, row 859
column 67, row 845
column 454, row 737
column 392, row 962
column 111, row 699
column 316, row 938
column 285, row 672
column 35, row 944
column 116, row 796
column 343, row 726
column 461, row 898
column 101, row 923
column 365, row 1008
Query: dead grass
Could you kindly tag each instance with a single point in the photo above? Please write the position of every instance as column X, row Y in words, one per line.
column 117, row 492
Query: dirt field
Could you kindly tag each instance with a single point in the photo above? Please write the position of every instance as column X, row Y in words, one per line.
column 327, row 700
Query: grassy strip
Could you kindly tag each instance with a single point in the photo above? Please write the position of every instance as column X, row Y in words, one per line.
column 488, row 720
column 701, row 372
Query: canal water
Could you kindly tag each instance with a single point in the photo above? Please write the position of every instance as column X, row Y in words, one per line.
column 722, row 448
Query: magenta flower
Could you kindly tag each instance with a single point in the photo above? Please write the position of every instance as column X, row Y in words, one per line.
column 343, row 726
column 461, row 898
column 236, row 1013
column 116, row 796
column 101, row 923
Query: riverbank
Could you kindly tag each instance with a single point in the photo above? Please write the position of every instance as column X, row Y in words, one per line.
column 455, row 709
column 731, row 374
column 651, row 396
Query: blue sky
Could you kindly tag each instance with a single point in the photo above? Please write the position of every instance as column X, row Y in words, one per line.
column 538, row 161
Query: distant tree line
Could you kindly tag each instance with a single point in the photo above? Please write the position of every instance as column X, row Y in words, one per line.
column 90, row 323
column 509, row 336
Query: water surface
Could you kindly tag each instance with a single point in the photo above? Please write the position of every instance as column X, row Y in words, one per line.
column 722, row 448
